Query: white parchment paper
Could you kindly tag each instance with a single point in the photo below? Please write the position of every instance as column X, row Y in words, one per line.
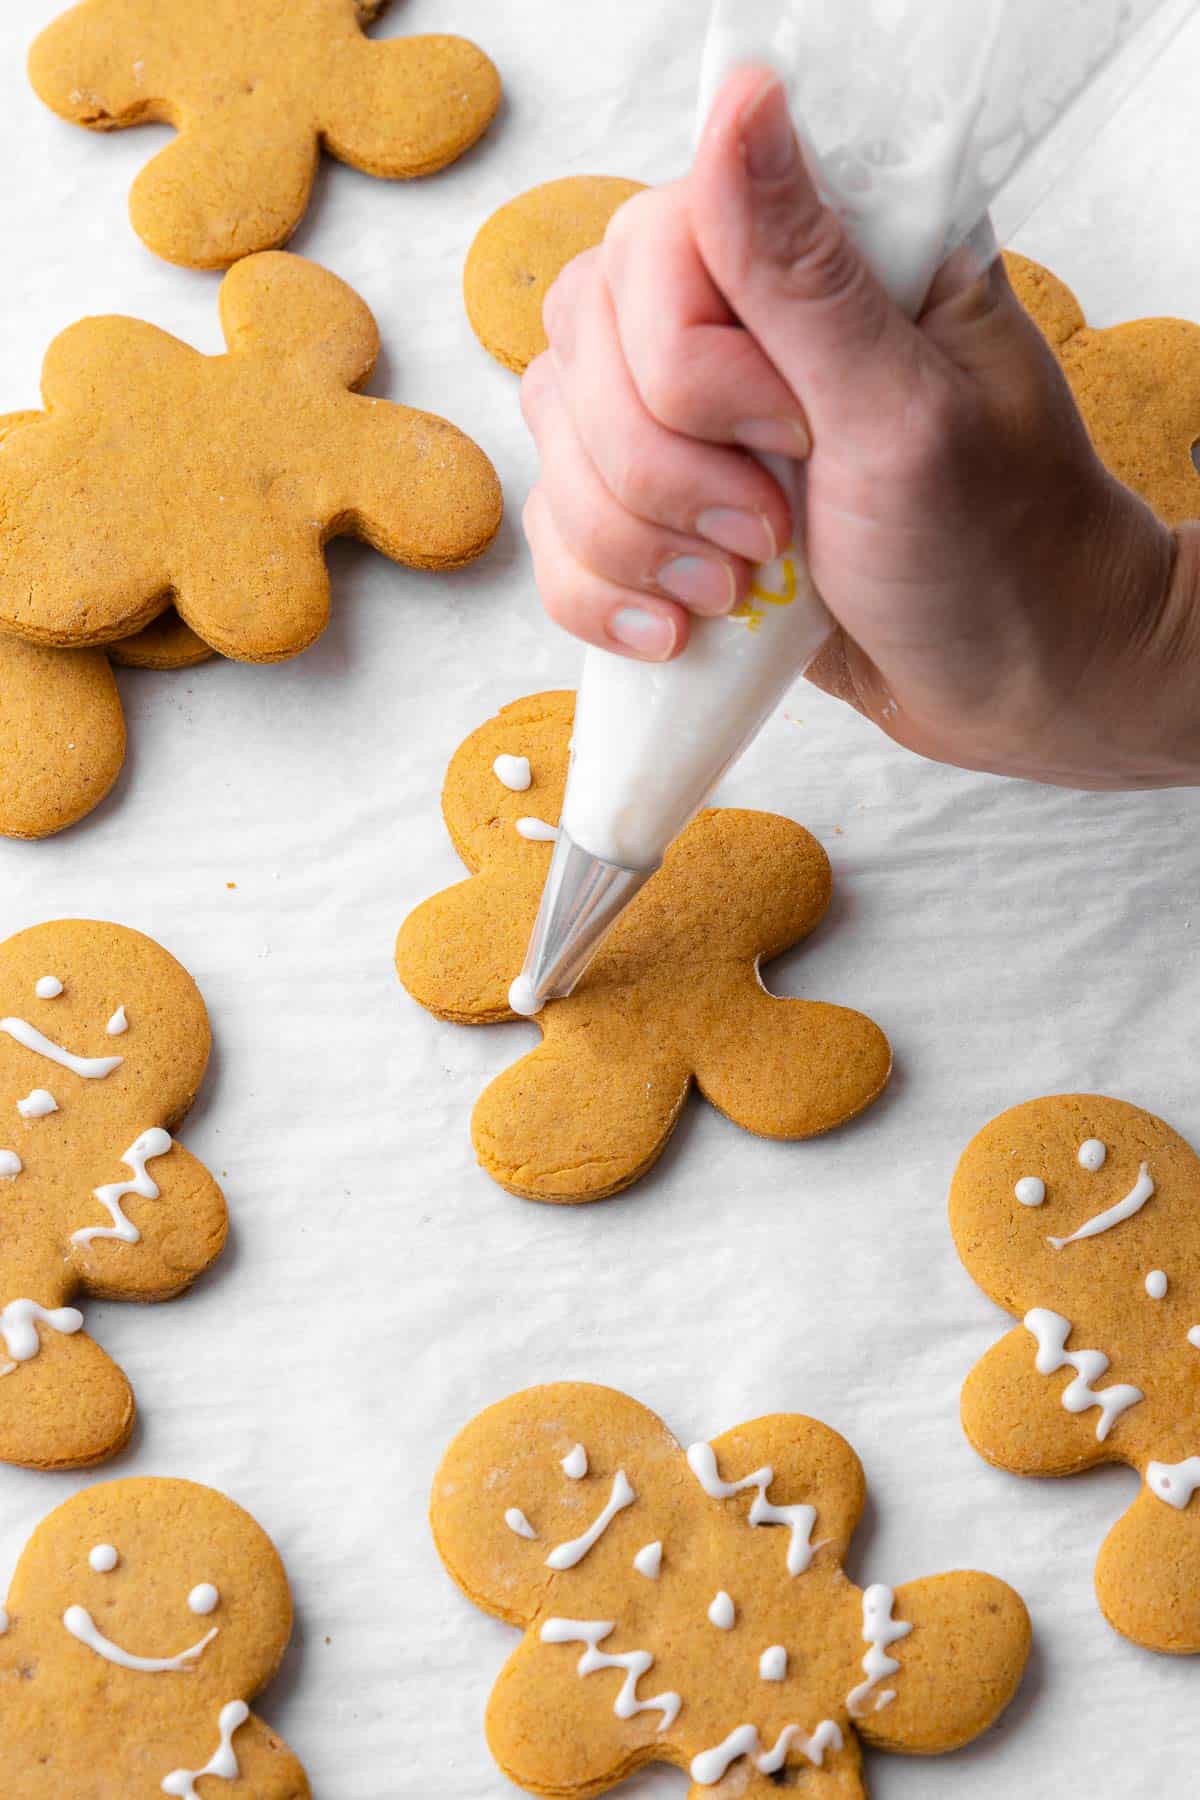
column 378, row 1289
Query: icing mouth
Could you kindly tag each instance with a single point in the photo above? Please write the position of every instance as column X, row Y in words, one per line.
column 1135, row 1199
column 79, row 1622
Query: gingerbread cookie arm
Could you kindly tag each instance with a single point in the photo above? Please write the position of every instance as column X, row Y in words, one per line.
column 1017, row 1419
column 149, row 1227
column 65, row 1406
column 814, row 1471
column 1148, row 1569
column 277, row 602
column 62, row 736
column 267, row 1768
column 457, row 953
column 87, row 68
column 406, row 106
column 580, row 1117
column 957, row 1667
column 789, row 1068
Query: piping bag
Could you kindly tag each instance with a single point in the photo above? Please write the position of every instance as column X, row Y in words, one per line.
column 916, row 117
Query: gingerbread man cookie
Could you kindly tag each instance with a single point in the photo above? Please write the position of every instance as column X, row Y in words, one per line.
column 693, row 1609
column 1137, row 386
column 158, row 475
column 1080, row 1215
column 103, row 1043
column 673, row 997
column 520, row 252
column 143, row 1617
column 254, row 89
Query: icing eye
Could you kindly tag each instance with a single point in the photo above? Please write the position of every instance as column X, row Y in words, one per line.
column 103, row 1558
column 1092, row 1155
column 204, row 1599
column 1030, row 1190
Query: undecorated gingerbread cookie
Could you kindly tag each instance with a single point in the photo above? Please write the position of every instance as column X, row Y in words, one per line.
column 693, row 1608
column 166, row 643
column 103, row 1044
column 520, row 252
column 62, row 736
column 673, row 997
column 254, row 89
column 158, row 475
column 142, row 1619
column 1081, row 1216
column 1137, row 386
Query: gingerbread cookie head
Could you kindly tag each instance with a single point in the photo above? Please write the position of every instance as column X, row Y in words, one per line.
column 691, row 1608
column 159, row 474
column 254, row 88
column 1137, row 386
column 103, row 1043
column 143, row 1617
column 522, row 250
column 1080, row 1215
column 674, row 996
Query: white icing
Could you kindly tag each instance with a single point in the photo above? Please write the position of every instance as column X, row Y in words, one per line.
column 222, row 1762
column 103, row 1558
column 1052, row 1331
column 636, row 1663
column 10, row 1164
column 47, row 987
column 711, row 1765
column 1156, row 1284
column 79, row 1622
column 721, row 1611
column 538, row 830
column 800, row 1519
column 879, row 1630
column 1030, row 1190
column 118, row 1024
column 648, row 1561
column 1174, row 1482
column 203, row 1599
column 18, row 1328
column 92, row 1068
column 565, row 1556
column 772, row 1664
column 514, row 772
column 522, row 997
column 1133, row 1202
column 1193, row 1337
column 516, row 1521
column 1093, row 1154
column 155, row 1142
column 37, row 1103
column 575, row 1463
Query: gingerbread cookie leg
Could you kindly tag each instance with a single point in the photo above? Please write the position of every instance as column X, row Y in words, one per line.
column 406, row 106
column 166, row 643
column 64, row 1404
column 1148, row 1569
column 62, row 736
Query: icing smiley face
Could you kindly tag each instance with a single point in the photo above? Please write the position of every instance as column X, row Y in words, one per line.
column 103, row 1626
column 1104, row 1279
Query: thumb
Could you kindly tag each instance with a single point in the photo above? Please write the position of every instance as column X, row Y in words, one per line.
column 786, row 266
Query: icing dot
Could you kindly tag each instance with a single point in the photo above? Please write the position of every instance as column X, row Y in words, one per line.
column 514, row 772
column 772, row 1664
column 538, row 830
column 721, row 1613
column 118, row 1023
column 36, row 1104
column 103, row 1558
column 204, row 1599
column 575, row 1463
column 1156, row 1284
column 522, row 998
column 516, row 1521
column 1030, row 1190
column 1092, row 1155
column 47, row 987
column 10, row 1164
column 1194, row 1337
column 648, row 1560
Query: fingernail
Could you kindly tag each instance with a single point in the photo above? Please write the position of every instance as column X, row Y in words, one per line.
column 768, row 136
column 747, row 534
column 650, row 634
column 702, row 582
column 778, row 437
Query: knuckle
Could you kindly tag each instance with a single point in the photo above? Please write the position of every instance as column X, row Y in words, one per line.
column 537, row 384
column 815, row 257
column 636, row 477
column 666, row 382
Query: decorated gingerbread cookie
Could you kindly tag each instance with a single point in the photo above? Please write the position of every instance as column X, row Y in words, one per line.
column 142, row 1619
column 103, row 1043
column 693, row 1609
column 1137, row 386
column 158, row 475
column 673, row 998
column 520, row 252
column 1081, row 1216
column 254, row 89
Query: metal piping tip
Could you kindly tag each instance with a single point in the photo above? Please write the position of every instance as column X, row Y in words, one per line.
column 582, row 900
